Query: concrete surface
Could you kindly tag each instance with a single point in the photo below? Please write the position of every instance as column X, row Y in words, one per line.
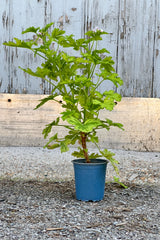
column 36, row 163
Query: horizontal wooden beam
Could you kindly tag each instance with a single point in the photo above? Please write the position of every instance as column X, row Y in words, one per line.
column 20, row 125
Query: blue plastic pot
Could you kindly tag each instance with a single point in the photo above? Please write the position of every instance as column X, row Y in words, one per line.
column 90, row 179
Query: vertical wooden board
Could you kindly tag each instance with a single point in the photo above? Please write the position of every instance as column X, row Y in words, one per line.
column 156, row 74
column 109, row 21
column 103, row 15
column 109, row 13
column 24, row 14
column 65, row 14
column 135, row 50
column 133, row 40
column 4, row 51
column 70, row 17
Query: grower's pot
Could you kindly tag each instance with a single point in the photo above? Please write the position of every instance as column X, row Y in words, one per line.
column 90, row 179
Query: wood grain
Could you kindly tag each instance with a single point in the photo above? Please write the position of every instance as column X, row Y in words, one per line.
column 20, row 125
column 133, row 40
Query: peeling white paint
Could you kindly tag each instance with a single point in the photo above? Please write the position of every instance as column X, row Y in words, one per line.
column 133, row 40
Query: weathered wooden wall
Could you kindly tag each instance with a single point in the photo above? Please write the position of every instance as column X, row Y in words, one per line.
column 20, row 125
column 133, row 40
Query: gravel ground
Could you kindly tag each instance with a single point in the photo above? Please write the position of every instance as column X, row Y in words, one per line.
column 37, row 198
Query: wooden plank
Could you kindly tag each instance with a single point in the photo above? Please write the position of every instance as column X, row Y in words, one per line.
column 136, row 41
column 23, row 14
column 104, row 15
column 141, row 120
column 20, row 125
column 156, row 69
column 133, row 40
column 4, row 51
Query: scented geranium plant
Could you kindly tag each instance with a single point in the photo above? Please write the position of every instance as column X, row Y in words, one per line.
column 76, row 78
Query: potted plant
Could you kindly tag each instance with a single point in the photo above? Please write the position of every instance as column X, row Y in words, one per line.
column 76, row 78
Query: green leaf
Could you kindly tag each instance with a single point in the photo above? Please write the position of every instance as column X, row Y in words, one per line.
column 96, row 31
column 44, row 100
column 86, row 127
column 64, row 146
column 57, row 33
column 53, row 138
column 103, row 50
column 53, row 146
column 68, row 114
column 112, row 95
column 109, row 156
column 94, row 156
column 109, row 101
column 116, row 179
column 40, row 72
column 67, row 41
column 72, row 137
column 31, row 29
column 48, row 129
column 69, row 100
column 78, row 154
column 90, row 124
column 98, row 94
column 95, row 35
column 111, row 123
column 19, row 43
column 68, row 58
column 93, row 138
column 79, row 43
column 75, row 122
column 115, row 79
column 107, row 104
column 47, row 27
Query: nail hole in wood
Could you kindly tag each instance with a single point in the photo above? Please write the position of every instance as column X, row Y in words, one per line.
column 9, row 100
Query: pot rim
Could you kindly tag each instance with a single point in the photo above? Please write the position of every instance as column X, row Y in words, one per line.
column 96, row 161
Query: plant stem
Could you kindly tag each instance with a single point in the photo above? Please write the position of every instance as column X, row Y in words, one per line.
column 84, row 146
